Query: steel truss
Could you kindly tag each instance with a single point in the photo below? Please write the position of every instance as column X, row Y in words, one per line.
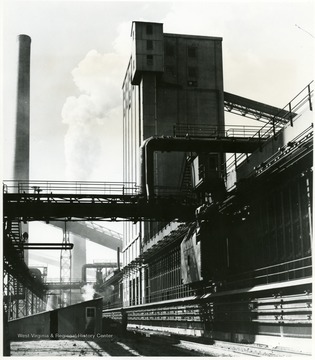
column 23, row 295
column 256, row 110
column 65, row 270
column 19, row 300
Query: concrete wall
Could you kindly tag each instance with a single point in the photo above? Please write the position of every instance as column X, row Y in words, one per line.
column 73, row 319
column 27, row 327
column 65, row 321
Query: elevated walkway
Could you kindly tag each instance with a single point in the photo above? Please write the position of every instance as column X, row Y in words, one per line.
column 91, row 202
column 57, row 285
column 257, row 110
column 93, row 232
column 77, row 201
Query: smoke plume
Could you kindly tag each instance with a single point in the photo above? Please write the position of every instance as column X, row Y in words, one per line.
column 87, row 292
column 92, row 116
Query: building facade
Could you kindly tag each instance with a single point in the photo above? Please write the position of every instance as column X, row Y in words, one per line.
column 241, row 269
column 171, row 81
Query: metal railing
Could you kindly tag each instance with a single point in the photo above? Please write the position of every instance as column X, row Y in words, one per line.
column 56, row 281
column 70, row 187
column 302, row 98
column 272, row 128
column 289, row 270
column 211, row 131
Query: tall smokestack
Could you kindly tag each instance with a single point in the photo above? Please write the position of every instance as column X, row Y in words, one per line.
column 22, row 132
column 22, row 124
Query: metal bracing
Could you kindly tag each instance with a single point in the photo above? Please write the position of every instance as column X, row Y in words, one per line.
column 15, row 266
column 273, row 117
column 96, row 201
column 75, row 207
column 224, row 144
column 94, row 232
column 256, row 110
column 56, row 285
column 22, row 293
column 65, row 269
column 18, row 300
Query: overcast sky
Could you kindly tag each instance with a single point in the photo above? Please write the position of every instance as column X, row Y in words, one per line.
column 80, row 51
column 79, row 55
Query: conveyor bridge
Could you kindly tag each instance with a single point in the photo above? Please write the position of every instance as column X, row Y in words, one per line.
column 87, row 201
column 75, row 201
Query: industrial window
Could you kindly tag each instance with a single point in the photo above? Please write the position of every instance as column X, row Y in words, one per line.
column 90, row 312
column 213, row 162
column 192, row 71
column 149, row 45
column 149, row 59
column 192, row 83
column 169, row 69
column 192, row 51
column 149, row 29
column 169, row 50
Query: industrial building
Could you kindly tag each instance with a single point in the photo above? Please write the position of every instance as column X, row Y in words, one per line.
column 218, row 218
column 230, row 272
column 171, row 81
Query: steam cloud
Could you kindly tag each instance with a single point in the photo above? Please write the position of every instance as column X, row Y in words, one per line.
column 87, row 292
column 91, row 115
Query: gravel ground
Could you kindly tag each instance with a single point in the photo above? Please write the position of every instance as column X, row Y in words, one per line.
column 127, row 346
column 141, row 345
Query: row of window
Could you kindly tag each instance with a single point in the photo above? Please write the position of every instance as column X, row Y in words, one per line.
column 170, row 49
column 192, row 71
column 192, row 50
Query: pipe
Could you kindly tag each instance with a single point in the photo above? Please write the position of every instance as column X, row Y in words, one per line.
column 152, row 144
column 118, row 258
column 22, row 133
column 96, row 266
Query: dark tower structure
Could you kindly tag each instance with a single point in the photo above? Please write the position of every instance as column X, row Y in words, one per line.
column 172, row 82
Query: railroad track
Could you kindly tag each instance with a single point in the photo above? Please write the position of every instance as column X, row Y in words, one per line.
column 218, row 348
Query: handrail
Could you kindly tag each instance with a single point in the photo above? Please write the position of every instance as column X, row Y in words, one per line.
column 268, row 272
column 272, row 128
column 291, row 109
column 217, row 131
column 70, row 187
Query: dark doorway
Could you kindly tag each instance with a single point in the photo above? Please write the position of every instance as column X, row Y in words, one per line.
column 54, row 324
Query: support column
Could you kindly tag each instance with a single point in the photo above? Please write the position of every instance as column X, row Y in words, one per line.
column 65, row 270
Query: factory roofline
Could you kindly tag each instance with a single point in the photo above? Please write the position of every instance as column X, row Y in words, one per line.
column 177, row 35
column 143, row 22
column 194, row 36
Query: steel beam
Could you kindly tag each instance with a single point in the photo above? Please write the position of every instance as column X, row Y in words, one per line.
column 31, row 207
column 256, row 110
column 90, row 231
column 199, row 145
